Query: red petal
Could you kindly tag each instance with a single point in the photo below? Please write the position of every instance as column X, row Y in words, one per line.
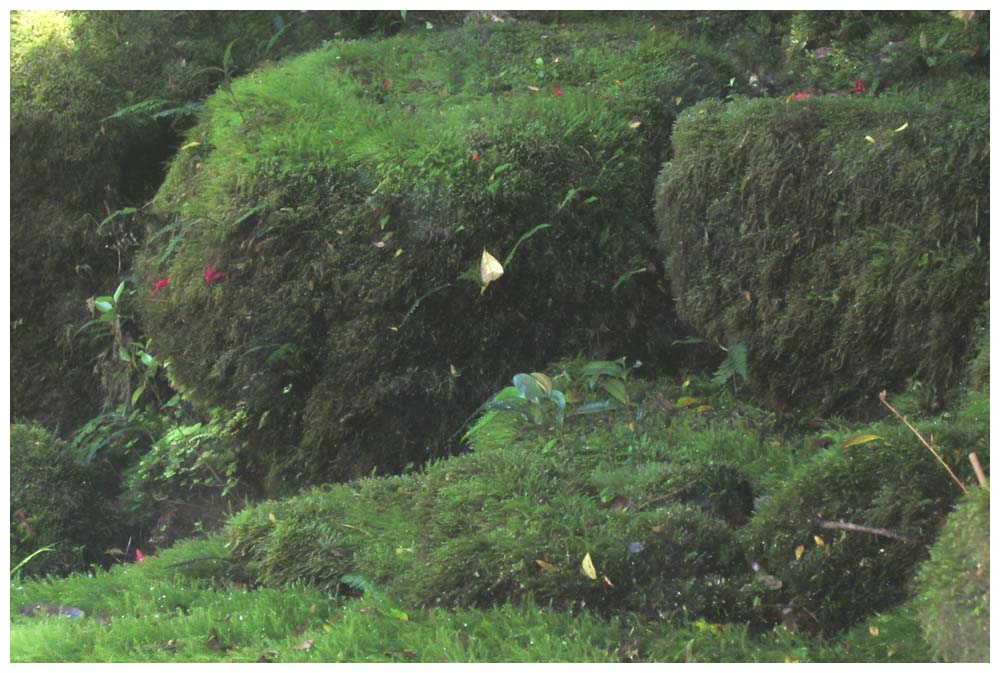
column 557, row 91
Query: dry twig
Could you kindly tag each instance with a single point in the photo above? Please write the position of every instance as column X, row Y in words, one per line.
column 881, row 532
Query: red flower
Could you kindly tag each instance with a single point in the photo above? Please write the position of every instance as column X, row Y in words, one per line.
column 475, row 155
column 212, row 274
column 138, row 556
column 802, row 95
column 386, row 83
column 557, row 91
column 859, row 87
column 159, row 285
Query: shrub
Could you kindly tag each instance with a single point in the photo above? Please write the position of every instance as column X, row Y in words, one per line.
column 953, row 586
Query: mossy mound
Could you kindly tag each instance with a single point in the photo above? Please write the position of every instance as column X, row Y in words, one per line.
column 893, row 485
column 340, row 206
column 843, row 239
column 56, row 502
column 954, row 584
column 514, row 519
column 76, row 158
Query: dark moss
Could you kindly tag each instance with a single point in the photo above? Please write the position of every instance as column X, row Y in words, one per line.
column 792, row 226
column 893, row 484
column 954, row 584
column 56, row 502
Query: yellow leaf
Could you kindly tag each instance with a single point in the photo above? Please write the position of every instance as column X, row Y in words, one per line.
column 398, row 252
column 860, row 439
column 572, row 398
column 819, row 541
column 635, row 123
column 799, row 551
column 903, row 127
column 686, row 383
column 543, row 381
column 454, row 372
column 588, row 567
column 702, row 408
column 687, row 401
column 271, row 517
column 394, row 328
column 677, row 101
column 327, row 628
column 873, row 630
column 190, row 145
column 870, row 139
column 544, row 565
column 789, row 660
column 489, row 268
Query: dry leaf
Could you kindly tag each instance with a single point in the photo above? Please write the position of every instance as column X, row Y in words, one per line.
column 860, row 439
column 903, row 127
column 544, row 565
column 608, row 582
column 635, row 123
column 489, row 268
column 304, row 645
column 702, row 408
column 873, row 630
column 588, row 567
column 799, row 551
column 819, row 541
column 870, row 139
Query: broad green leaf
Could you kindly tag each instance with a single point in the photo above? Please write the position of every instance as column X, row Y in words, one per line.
column 616, row 389
column 594, row 408
column 625, row 276
column 560, row 401
column 544, row 380
column 104, row 304
column 569, row 197
column 860, row 439
column 603, row 368
column 147, row 359
column 118, row 292
column 137, row 394
column 174, row 401
column 399, row 614
column 530, row 388
column 123, row 354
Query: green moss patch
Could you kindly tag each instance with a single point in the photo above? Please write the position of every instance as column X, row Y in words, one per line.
column 346, row 200
column 844, row 240
column 954, row 584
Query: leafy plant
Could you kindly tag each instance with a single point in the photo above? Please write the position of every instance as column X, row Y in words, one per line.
column 735, row 364
column 610, row 376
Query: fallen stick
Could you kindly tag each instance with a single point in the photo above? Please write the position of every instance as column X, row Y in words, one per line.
column 858, row 528
column 883, row 398
column 974, row 459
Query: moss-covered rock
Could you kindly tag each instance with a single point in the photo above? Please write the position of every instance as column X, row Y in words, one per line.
column 344, row 202
column 954, row 584
column 59, row 503
column 893, row 485
column 843, row 239
column 76, row 158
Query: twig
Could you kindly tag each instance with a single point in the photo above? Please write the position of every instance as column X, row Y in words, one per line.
column 978, row 469
column 881, row 532
column 883, row 398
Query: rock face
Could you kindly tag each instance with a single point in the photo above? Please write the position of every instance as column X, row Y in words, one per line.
column 340, row 206
column 844, row 239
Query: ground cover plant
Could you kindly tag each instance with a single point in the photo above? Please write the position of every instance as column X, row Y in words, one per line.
column 358, row 358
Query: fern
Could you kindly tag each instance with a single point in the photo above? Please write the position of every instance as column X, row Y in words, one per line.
column 144, row 107
column 734, row 365
column 361, row 583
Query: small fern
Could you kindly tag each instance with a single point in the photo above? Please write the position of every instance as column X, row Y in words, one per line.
column 734, row 365
column 360, row 583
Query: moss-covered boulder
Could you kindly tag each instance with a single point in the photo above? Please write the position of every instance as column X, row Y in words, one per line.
column 322, row 231
column 98, row 99
column 844, row 239
column 954, row 584
column 846, row 530
column 59, row 503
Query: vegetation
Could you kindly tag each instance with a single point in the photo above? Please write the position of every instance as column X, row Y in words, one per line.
column 261, row 336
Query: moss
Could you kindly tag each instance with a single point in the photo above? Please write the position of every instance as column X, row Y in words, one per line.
column 953, row 586
column 894, row 484
column 344, row 196
column 73, row 165
column 58, row 503
column 785, row 228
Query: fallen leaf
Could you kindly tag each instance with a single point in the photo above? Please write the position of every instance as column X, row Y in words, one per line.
column 902, row 128
column 873, row 630
column 635, row 123
column 819, row 541
column 533, row 88
column 398, row 252
column 619, row 503
column 702, row 408
column 304, row 645
column 799, row 551
column 271, row 517
column 190, row 145
column 608, row 582
column 489, row 268
column 588, row 567
column 544, row 565
column 860, row 439
column 870, row 139
column 687, row 401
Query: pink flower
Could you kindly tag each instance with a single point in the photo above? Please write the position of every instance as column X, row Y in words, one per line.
column 557, row 91
column 801, row 95
column 386, row 83
column 139, row 556
column 212, row 274
column 859, row 87
column 159, row 285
